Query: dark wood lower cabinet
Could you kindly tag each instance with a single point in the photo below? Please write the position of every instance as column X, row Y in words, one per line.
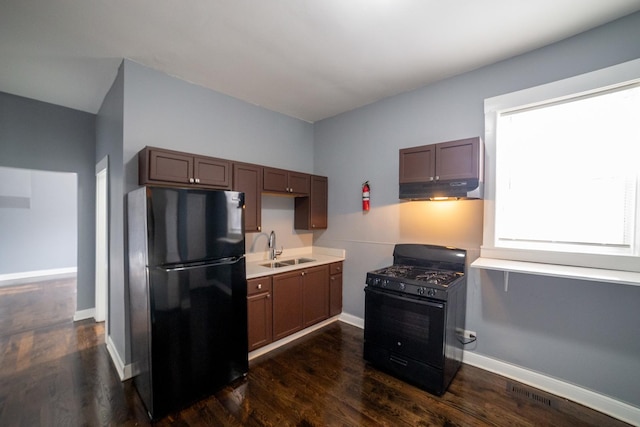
column 301, row 298
column 315, row 295
column 287, row 304
column 259, row 312
column 335, row 289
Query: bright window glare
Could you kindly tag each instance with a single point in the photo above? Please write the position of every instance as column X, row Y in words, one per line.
column 567, row 173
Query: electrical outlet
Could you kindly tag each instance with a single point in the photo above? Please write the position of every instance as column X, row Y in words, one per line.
column 469, row 334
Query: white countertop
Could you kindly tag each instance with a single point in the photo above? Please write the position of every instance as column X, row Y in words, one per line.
column 318, row 254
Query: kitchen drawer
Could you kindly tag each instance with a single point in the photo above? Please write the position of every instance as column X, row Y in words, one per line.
column 258, row 285
column 335, row 268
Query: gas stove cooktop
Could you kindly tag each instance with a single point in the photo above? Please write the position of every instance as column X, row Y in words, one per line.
column 421, row 271
column 414, row 280
column 419, row 274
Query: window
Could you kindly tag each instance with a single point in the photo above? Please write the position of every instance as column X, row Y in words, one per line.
column 565, row 188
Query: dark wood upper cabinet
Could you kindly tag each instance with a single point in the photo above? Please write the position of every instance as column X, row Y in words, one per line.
column 212, row 172
column 167, row 167
column 158, row 166
column 458, row 159
column 438, row 162
column 311, row 211
column 418, row 164
column 299, row 183
column 248, row 179
column 281, row 181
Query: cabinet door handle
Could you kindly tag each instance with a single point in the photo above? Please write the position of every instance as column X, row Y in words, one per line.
column 437, row 177
column 430, row 178
column 259, row 285
column 191, row 180
column 303, row 273
column 197, row 180
column 268, row 296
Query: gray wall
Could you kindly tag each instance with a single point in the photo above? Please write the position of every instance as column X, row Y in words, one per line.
column 582, row 332
column 41, row 136
column 109, row 131
column 44, row 235
column 166, row 112
column 148, row 108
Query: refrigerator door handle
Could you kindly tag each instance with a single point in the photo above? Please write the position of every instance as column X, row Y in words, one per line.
column 181, row 267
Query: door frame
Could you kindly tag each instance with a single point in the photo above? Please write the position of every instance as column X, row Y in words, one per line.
column 102, row 243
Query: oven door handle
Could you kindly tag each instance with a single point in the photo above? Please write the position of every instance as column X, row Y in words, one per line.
column 416, row 300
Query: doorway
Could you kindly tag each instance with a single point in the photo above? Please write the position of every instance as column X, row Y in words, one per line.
column 38, row 266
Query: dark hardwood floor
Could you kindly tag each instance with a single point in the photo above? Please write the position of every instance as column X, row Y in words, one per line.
column 34, row 305
column 61, row 375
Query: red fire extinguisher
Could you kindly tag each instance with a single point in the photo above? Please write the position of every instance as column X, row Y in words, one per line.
column 365, row 197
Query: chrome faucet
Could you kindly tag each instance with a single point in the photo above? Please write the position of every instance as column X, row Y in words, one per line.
column 273, row 253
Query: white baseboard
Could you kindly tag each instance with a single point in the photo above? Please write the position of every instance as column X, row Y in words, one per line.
column 89, row 313
column 36, row 276
column 599, row 402
column 125, row 372
column 352, row 320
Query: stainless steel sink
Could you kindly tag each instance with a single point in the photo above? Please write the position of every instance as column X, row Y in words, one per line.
column 296, row 261
column 274, row 264
column 286, row 263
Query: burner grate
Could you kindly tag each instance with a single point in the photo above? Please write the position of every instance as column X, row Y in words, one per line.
column 419, row 274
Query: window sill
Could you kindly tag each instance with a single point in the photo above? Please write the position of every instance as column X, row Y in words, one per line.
column 564, row 271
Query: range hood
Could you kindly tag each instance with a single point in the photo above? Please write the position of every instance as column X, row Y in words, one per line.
column 442, row 190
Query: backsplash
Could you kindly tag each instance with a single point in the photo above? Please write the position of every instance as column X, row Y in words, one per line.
column 278, row 215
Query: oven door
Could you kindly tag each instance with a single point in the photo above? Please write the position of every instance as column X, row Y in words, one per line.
column 406, row 326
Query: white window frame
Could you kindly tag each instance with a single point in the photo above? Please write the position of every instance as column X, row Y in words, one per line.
column 609, row 77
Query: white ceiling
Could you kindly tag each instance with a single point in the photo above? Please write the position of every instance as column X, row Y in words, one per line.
column 308, row 59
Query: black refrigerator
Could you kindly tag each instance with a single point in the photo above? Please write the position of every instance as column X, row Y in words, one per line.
column 187, row 294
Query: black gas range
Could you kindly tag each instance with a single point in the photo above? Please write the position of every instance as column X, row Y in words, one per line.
column 415, row 313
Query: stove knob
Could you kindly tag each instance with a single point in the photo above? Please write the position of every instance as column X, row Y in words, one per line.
column 421, row 291
column 431, row 292
column 376, row 281
column 402, row 286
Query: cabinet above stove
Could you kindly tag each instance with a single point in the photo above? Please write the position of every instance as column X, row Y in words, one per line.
column 448, row 170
